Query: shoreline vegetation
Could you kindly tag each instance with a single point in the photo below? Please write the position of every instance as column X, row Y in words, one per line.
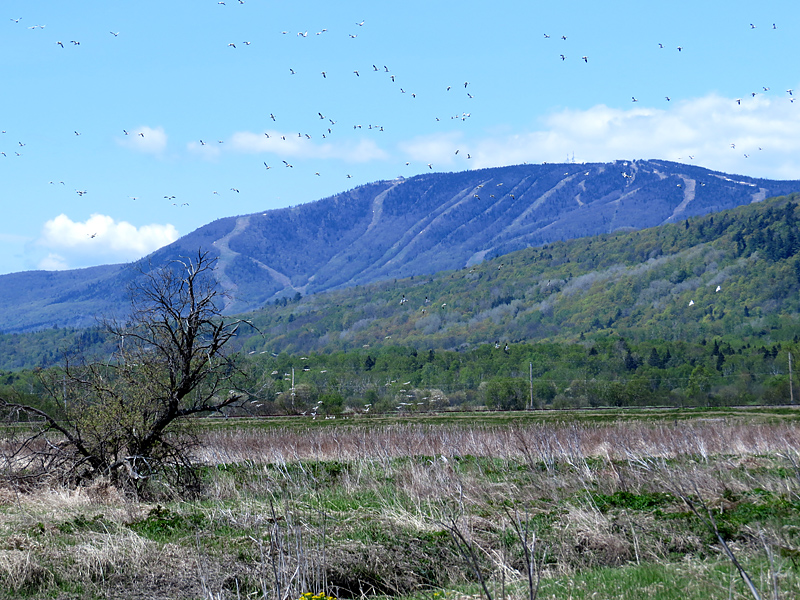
column 578, row 504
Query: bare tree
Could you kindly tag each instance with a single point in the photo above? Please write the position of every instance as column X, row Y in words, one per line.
column 125, row 417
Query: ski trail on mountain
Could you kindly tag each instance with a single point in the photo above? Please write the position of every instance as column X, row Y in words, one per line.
column 689, row 186
column 418, row 230
column 377, row 214
column 407, row 240
column 517, row 223
column 226, row 257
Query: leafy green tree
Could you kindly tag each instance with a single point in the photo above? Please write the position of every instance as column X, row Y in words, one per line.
column 507, row 393
column 331, row 403
column 700, row 384
column 543, row 392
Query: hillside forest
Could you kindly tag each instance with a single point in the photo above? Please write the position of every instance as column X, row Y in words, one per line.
column 703, row 312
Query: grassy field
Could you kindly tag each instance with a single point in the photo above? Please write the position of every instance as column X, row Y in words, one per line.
column 598, row 504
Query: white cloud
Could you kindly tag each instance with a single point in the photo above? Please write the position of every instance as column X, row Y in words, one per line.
column 146, row 139
column 698, row 131
column 290, row 145
column 434, row 149
column 99, row 240
column 53, row 262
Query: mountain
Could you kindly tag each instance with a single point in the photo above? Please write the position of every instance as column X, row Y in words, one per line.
column 731, row 277
column 395, row 229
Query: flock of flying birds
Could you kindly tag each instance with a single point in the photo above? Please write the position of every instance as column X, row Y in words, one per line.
column 330, row 123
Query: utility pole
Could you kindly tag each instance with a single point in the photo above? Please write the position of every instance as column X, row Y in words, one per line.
column 530, row 379
column 791, row 389
column 293, row 404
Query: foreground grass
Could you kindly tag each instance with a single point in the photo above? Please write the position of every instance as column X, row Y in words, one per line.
column 405, row 509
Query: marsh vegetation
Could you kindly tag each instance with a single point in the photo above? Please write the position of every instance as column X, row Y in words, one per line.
column 557, row 506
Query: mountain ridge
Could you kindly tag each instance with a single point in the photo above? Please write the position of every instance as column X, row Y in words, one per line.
column 731, row 277
column 397, row 228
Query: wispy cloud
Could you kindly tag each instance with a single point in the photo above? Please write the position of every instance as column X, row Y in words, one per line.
column 438, row 149
column 99, row 239
column 760, row 135
column 290, row 145
column 146, row 139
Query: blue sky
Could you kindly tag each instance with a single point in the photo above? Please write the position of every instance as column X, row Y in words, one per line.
column 160, row 118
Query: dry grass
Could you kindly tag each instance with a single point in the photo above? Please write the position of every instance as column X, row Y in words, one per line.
column 357, row 510
column 535, row 443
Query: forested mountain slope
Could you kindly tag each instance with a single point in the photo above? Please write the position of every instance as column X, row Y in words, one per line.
column 732, row 275
column 395, row 229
